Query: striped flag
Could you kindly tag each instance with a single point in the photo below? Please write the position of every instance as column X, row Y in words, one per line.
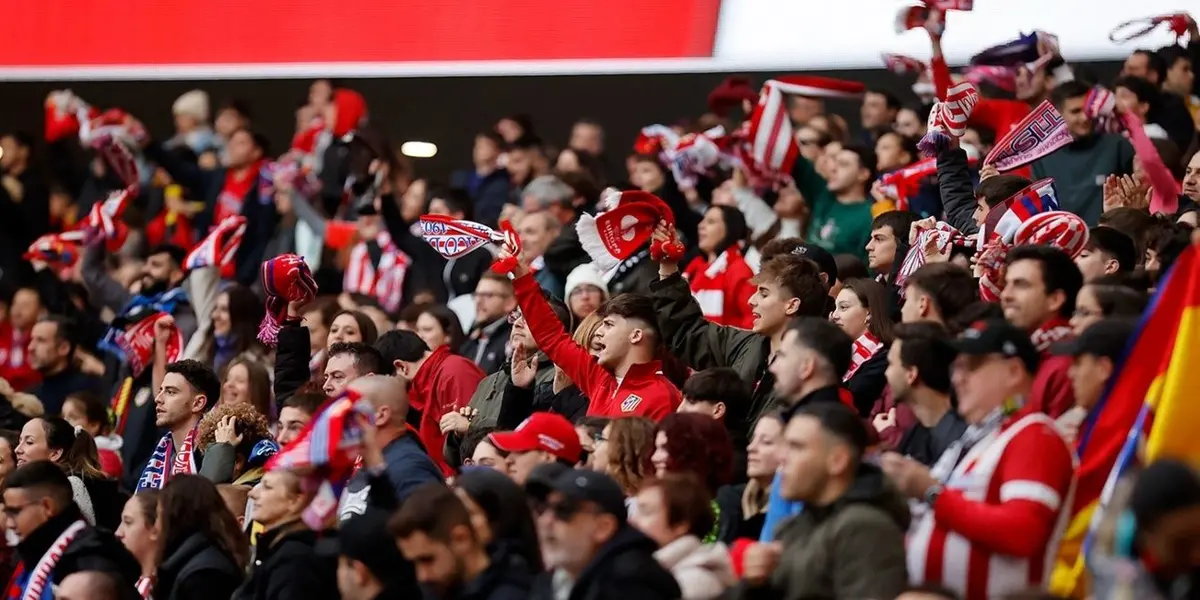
column 219, row 247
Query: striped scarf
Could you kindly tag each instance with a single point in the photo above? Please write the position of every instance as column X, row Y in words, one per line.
column 376, row 269
column 866, row 346
column 1054, row 330
column 35, row 586
column 156, row 474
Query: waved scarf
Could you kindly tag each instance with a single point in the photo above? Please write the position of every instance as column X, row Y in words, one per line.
column 157, row 472
column 943, row 236
column 166, row 302
column 1129, row 30
column 453, row 238
column 1048, row 333
column 948, row 118
column 38, row 585
column 624, row 225
column 219, row 247
column 866, row 346
column 1040, row 133
column 285, row 278
column 376, row 269
column 689, row 157
column 1100, row 106
column 325, row 453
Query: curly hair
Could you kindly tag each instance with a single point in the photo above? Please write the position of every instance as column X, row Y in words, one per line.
column 698, row 444
column 253, row 426
column 630, row 445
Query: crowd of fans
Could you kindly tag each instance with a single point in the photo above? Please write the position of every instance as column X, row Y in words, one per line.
column 788, row 410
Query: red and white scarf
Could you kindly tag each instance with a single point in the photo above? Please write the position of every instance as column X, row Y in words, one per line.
column 708, row 283
column 144, row 585
column 1050, row 332
column 383, row 281
column 43, row 572
column 238, row 184
column 865, row 347
column 157, row 471
column 12, row 347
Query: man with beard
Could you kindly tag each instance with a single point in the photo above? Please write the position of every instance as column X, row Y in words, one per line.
column 918, row 377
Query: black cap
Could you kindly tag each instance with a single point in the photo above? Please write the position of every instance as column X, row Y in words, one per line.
column 541, row 479
column 1115, row 243
column 997, row 336
column 1106, row 337
column 581, row 485
column 820, row 256
column 365, row 538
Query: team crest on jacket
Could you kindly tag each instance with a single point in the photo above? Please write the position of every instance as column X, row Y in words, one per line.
column 631, row 403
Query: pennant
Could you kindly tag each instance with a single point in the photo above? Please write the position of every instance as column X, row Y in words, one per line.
column 1041, row 132
column 453, row 238
column 137, row 343
column 219, row 247
column 617, row 233
column 948, row 118
column 1135, row 28
column 325, row 453
column 285, row 278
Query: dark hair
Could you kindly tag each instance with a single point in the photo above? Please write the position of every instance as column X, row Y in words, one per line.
column 1059, row 272
column 630, row 446
column 202, row 379
column 1171, row 55
column 893, row 103
column 736, row 231
column 491, row 136
column 717, row 384
column 432, row 509
column 64, row 328
column 873, row 296
column 449, row 323
column 850, row 266
column 504, row 503
column 245, row 314
column 95, row 409
column 974, row 312
column 998, row 188
column 1154, row 63
column 899, row 220
column 366, row 358
column 1116, row 298
column 780, row 246
column 176, row 253
column 583, row 184
column 401, row 345
column 1133, row 222
column 457, row 200
column 1145, row 91
column 951, row 287
column 148, row 505
column 259, row 140
column 306, row 399
column 79, row 454
column 866, row 159
column 926, row 346
column 471, row 441
column 827, row 340
column 934, row 589
column 524, row 121
column 366, row 326
column 43, row 478
column 238, row 105
column 840, row 421
column 191, row 504
column 908, row 145
column 638, row 307
column 14, row 439
column 259, row 383
column 1168, row 240
column 800, row 277
column 686, row 501
column 1067, row 90
column 700, row 445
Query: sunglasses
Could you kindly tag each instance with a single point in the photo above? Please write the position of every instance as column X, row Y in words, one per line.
column 514, row 316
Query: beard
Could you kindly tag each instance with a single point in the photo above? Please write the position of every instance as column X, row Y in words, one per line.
column 152, row 286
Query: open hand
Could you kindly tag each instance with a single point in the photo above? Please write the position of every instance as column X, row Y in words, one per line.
column 988, row 170
column 226, row 432
column 524, row 367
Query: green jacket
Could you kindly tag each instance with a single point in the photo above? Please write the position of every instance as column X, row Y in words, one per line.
column 702, row 344
column 489, row 396
column 837, row 227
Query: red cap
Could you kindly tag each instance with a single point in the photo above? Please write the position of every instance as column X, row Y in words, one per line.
column 546, row 431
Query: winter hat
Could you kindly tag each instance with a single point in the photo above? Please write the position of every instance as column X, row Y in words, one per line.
column 730, row 94
column 585, row 274
column 616, row 234
column 351, row 111
column 285, row 278
column 193, row 104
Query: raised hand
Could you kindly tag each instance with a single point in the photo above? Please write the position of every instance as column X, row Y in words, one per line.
column 524, row 367
column 510, row 249
column 163, row 329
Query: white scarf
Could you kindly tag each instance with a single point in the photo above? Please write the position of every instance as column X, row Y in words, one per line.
column 43, row 572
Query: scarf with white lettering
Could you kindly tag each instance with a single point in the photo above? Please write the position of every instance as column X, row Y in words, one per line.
column 156, row 474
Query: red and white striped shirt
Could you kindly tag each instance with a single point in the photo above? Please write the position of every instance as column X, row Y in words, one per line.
column 383, row 281
column 996, row 527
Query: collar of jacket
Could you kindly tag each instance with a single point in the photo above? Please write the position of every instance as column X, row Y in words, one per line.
column 37, row 543
column 648, row 369
column 829, row 393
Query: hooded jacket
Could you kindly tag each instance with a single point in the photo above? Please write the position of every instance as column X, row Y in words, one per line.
column 852, row 548
column 703, row 571
column 622, row 569
column 91, row 550
column 286, row 567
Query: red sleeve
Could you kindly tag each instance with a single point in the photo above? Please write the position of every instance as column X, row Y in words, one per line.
column 1035, row 476
column 1166, row 191
column 552, row 339
column 997, row 114
column 657, row 411
column 941, row 77
column 1052, row 392
column 737, row 303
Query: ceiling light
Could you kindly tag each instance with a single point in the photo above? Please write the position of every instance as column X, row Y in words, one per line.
column 418, row 149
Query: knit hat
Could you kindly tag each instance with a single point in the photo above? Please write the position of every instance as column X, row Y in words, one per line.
column 285, row 278
column 585, row 274
column 730, row 94
column 193, row 104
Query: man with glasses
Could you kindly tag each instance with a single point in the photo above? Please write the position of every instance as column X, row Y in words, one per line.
column 589, row 548
column 991, row 508
column 486, row 342
column 54, row 539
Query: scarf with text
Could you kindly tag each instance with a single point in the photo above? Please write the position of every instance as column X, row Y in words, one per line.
column 158, row 471
column 38, row 585
column 624, row 226
column 866, row 346
column 453, row 238
column 1040, row 133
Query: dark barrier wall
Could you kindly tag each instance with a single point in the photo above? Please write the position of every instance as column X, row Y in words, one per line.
column 446, row 111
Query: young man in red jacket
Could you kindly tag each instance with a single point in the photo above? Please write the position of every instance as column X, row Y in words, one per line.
column 626, row 379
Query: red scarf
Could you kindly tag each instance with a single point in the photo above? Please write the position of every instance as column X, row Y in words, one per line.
column 1054, row 330
column 865, row 347
column 238, row 183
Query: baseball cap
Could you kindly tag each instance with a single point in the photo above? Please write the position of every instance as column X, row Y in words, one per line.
column 820, row 256
column 546, row 431
column 1106, row 338
column 582, row 485
column 1115, row 243
column 365, row 538
column 541, row 479
column 996, row 336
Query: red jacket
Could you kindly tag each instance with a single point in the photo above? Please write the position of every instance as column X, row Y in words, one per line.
column 1052, row 392
column 722, row 288
column 14, row 358
column 444, row 383
column 644, row 391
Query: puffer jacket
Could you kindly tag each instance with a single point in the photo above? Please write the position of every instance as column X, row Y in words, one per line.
column 703, row 571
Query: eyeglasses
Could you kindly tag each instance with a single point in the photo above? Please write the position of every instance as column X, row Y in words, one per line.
column 514, row 316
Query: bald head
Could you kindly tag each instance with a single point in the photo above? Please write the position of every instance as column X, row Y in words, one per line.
column 89, row 585
column 384, row 392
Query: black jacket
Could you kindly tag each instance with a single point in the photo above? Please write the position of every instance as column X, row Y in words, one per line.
column 506, row 578
column 565, row 252
column 519, row 403
column 868, row 382
column 91, row 550
column 291, row 362
column 108, row 500
column 622, row 569
column 732, row 523
column 493, row 337
column 958, row 192
column 634, row 274
column 197, row 569
column 286, row 567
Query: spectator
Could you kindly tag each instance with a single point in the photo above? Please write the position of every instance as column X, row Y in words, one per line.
column 841, row 214
column 525, row 160
column 550, row 194
column 486, row 182
column 296, row 413
column 286, row 564
column 236, row 442
column 861, row 310
column 918, row 378
column 90, row 585
column 189, row 389
column 623, row 451
column 52, row 438
column 38, row 496
column 878, row 113
column 697, row 445
column 501, row 519
column 853, row 523
column 191, row 112
column 1108, row 251
column 88, row 412
column 720, row 277
column 675, row 512
column 347, row 362
column 201, row 550
column 1107, row 296
column 585, row 291
column 485, row 345
column 1096, row 351
column 24, row 308
column 478, row 451
column 742, row 508
column 139, row 534
column 589, row 547
column 9, row 440
column 542, row 438
column 248, row 382
column 721, row 394
column 538, row 230
column 438, row 326
column 52, row 353
column 434, row 531
column 938, row 292
column 888, row 244
column 236, row 315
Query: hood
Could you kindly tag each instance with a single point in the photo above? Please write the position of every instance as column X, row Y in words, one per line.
column 688, row 553
column 872, row 487
column 351, row 111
